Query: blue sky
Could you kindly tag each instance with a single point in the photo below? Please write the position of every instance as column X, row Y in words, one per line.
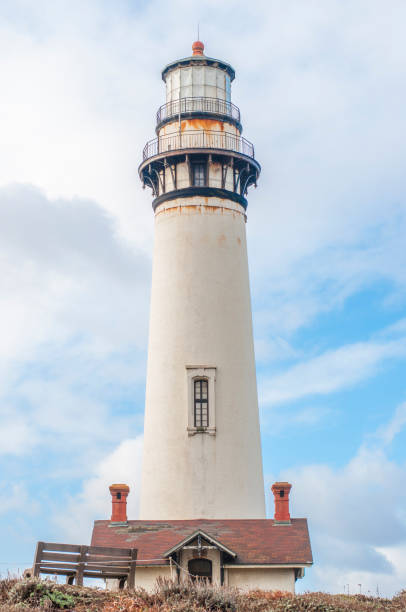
column 321, row 87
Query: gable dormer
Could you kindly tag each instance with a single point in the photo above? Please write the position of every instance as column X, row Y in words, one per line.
column 200, row 556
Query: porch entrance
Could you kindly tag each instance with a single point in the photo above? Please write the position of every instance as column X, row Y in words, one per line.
column 200, row 569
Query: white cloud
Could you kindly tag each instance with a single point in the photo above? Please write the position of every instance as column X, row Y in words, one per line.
column 64, row 271
column 301, row 286
column 330, row 372
column 17, row 436
column 356, row 518
column 326, row 130
column 271, row 349
column 73, row 326
column 13, row 497
column 285, row 419
column 395, row 425
column 123, row 465
column 395, row 555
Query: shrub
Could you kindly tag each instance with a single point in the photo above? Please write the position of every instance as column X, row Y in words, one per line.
column 34, row 595
column 6, row 585
column 45, row 594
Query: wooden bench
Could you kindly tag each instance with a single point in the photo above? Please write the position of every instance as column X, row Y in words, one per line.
column 77, row 562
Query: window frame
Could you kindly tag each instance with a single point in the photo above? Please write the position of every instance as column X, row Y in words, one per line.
column 194, row 374
column 203, row 166
column 201, row 404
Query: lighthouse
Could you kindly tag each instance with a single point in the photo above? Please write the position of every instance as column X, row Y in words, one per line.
column 202, row 449
column 202, row 510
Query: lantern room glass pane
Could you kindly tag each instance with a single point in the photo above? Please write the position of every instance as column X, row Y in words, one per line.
column 211, row 76
column 228, row 88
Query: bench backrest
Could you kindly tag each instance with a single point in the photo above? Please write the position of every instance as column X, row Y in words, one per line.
column 77, row 561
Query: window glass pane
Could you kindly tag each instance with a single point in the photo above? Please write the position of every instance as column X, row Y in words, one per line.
column 197, row 389
column 186, row 77
column 198, row 175
column 175, row 78
column 169, row 87
column 198, row 75
column 228, row 89
column 211, row 92
column 198, row 90
column 201, row 406
column 186, row 91
column 210, row 75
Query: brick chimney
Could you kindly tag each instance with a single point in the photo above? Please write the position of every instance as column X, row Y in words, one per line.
column 119, row 494
column 281, row 492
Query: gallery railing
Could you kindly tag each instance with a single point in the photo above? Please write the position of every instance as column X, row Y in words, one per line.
column 198, row 139
column 198, row 104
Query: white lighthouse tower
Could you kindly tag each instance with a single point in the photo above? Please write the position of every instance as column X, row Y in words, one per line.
column 202, row 449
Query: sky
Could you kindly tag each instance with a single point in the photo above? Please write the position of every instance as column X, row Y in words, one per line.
column 322, row 91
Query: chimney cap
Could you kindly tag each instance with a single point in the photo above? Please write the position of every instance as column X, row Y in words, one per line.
column 198, row 47
column 281, row 485
column 119, row 487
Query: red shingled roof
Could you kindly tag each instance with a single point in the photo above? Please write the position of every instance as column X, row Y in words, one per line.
column 256, row 541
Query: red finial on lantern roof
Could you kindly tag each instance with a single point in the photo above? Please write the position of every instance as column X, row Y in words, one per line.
column 198, row 47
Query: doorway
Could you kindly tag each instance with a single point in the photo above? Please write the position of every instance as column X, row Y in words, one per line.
column 200, row 569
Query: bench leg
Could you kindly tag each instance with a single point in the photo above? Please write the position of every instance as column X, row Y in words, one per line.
column 81, row 565
column 37, row 558
column 133, row 564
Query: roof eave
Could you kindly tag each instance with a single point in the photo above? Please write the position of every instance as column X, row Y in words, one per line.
column 199, row 59
column 204, row 535
column 268, row 565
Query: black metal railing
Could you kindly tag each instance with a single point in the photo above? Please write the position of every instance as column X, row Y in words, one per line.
column 199, row 104
column 198, row 139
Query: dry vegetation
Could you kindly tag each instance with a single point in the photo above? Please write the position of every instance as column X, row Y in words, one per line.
column 17, row 595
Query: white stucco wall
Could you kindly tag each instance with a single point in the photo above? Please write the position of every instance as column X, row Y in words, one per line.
column 243, row 578
column 145, row 577
column 260, row 578
column 201, row 315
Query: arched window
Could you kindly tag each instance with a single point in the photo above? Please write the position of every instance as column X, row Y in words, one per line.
column 201, row 402
column 200, row 568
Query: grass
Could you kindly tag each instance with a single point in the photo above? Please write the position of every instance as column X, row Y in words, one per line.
column 17, row 594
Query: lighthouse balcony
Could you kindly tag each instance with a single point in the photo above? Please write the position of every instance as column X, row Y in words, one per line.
column 198, row 139
column 194, row 107
column 204, row 171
